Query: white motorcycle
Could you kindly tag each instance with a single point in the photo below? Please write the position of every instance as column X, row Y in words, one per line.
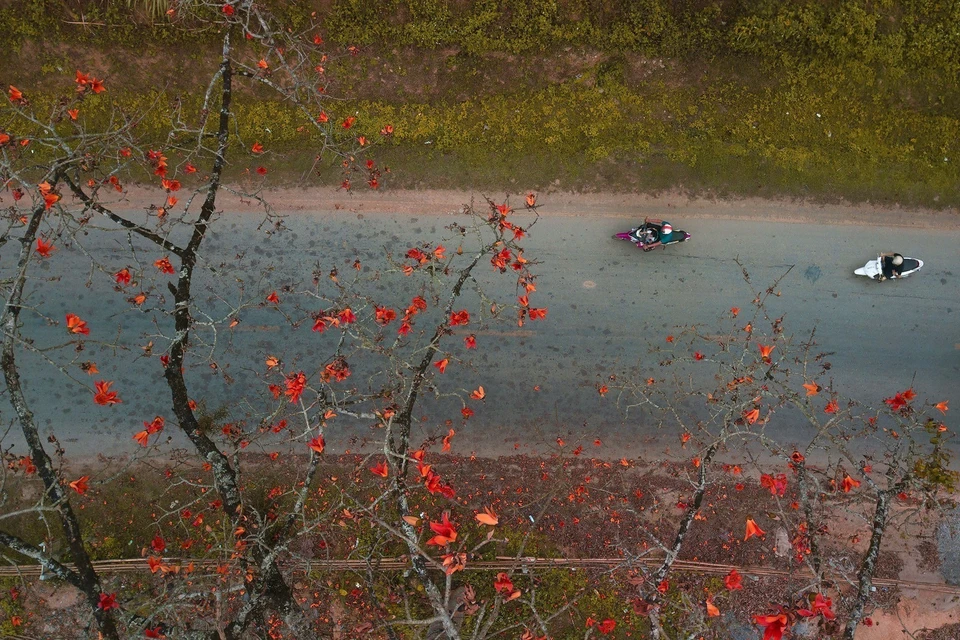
column 874, row 268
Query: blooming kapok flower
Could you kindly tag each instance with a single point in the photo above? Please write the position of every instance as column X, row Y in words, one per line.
column 44, row 248
column 418, row 255
column 821, row 606
column 103, row 396
column 257, row 148
column 487, row 517
column 459, row 318
column 777, row 485
column 812, row 388
column 163, row 264
column 122, row 277
column 538, row 314
column 444, row 530
column 80, row 485
column 453, row 562
column 295, row 383
column 349, row 122
column 942, row 406
column 733, row 580
column 446, row 440
column 752, row 530
column 384, row 315
column 607, row 626
column 765, row 351
column 773, row 625
column 831, row 407
column 441, row 365
column 470, row 342
column 108, row 602
column 346, row 316
column 273, row 298
column 751, row 416
column 76, row 325
column 337, row 370
column 157, row 544
column 503, row 584
column 849, row 483
column 317, row 444
column 380, row 469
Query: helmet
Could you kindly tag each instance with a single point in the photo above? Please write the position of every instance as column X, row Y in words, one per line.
column 898, row 260
column 666, row 228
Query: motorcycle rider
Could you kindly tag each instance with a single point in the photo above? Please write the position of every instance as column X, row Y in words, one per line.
column 891, row 265
column 666, row 235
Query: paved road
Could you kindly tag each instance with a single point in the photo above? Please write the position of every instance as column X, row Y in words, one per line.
column 607, row 301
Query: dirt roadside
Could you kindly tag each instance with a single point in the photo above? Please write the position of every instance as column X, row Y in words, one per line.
column 560, row 203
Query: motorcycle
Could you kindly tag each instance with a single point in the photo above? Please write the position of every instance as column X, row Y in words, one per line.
column 649, row 232
column 874, row 268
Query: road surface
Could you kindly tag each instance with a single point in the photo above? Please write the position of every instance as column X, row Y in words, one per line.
column 608, row 303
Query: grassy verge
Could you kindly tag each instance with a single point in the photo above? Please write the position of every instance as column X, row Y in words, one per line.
column 849, row 102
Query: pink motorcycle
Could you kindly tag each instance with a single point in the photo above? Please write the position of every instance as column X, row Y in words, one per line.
column 650, row 234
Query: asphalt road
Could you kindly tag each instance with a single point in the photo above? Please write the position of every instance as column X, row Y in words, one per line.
column 608, row 303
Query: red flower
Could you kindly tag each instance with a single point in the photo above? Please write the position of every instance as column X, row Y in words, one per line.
column 459, row 318
column 122, row 277
column 44, row 248
column 80, row 485
column 103, row 395
column 227, row 10
column 76, row 325
column 295, row 383
column 821, row 606
column 445, row 533
column 773, row 625
column 273, row 298
column 317, row 444
column 606, row 626
column 380, row 469
column 777, row 485
column 262, row 171
column 470, row 341
column 849, row 483
column 257, row 147
column 384, row 316
column 349, row 122
column 752, row 530
column 163, row 264
column 503, row 584
column 538, row 314
column 441, row 365
column 157, row 544
column 108, row 601
column 733, row 580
